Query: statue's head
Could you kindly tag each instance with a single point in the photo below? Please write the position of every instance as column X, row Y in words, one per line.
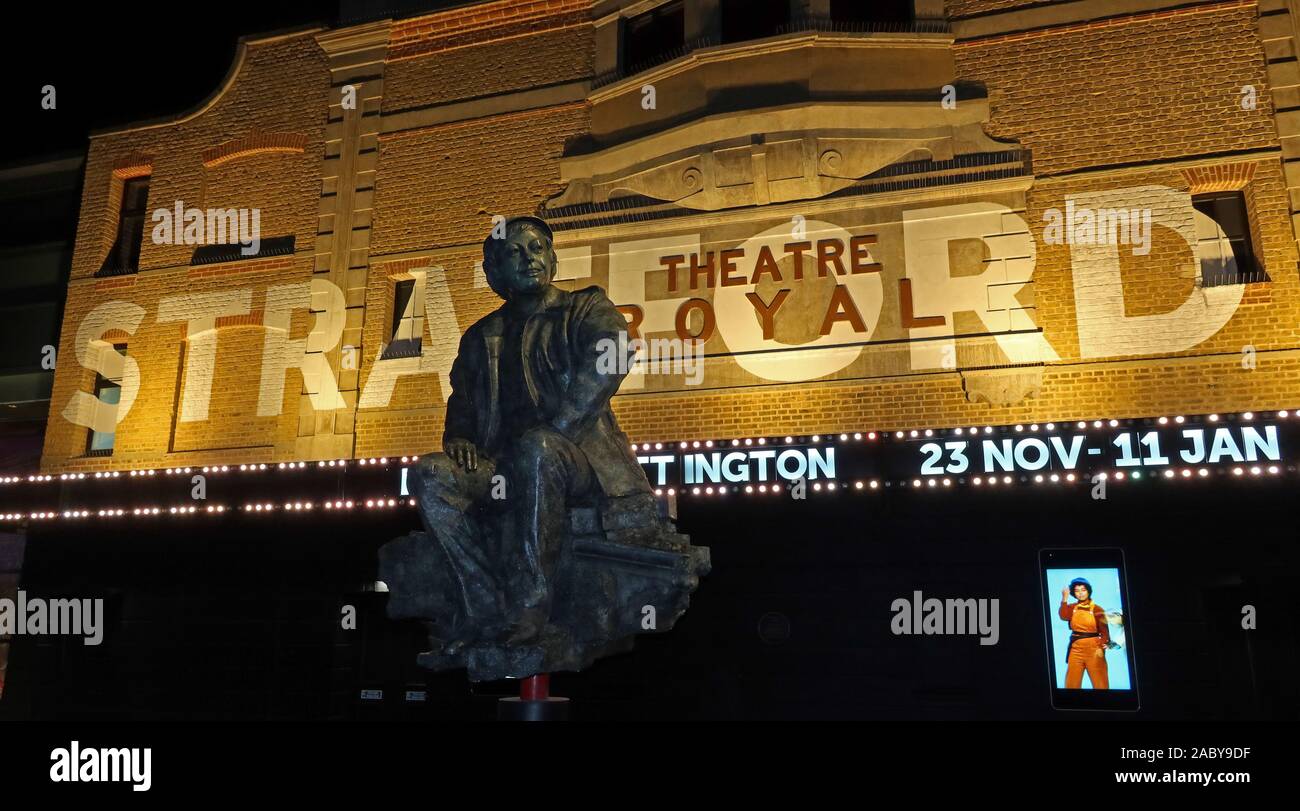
column 522, row 262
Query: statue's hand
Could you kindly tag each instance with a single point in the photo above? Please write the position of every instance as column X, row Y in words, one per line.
column 463, row 452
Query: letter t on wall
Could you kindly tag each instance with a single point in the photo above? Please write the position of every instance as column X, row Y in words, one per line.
column 200, row 312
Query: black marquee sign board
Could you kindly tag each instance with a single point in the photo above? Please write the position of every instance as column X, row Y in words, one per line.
column 1144, row 447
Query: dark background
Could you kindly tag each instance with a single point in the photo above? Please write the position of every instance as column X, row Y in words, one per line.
column 238, row 618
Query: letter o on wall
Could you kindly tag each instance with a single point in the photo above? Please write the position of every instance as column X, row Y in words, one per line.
column 1022, row 457
column 684, row 318
column 798, row 457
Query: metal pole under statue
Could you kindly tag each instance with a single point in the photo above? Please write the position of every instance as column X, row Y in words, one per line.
column 535, row 702
column 544, row 547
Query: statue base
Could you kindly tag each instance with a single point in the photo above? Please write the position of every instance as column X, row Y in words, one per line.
column 547, row 709
column 623, row 570
column 534, row 703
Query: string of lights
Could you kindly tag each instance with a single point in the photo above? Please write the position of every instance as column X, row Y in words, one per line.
column 258, row 508
column 989, row 481
column 856, row 436
column 1190, row 473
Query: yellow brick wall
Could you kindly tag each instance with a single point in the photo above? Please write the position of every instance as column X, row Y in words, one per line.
column 440, row 186
column 964, row 8
column 1102, row 107
column 1134, row 90
column 496, row 66
column 282, row 87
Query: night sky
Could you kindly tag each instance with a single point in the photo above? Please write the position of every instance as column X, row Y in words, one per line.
column 113, row 64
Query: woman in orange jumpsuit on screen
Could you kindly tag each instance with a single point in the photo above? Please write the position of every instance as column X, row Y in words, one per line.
column 1089, row 637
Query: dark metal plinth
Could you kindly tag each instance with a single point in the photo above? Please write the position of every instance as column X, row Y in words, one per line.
column 548, row 709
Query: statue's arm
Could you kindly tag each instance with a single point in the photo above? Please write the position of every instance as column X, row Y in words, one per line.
column 461, row 422
column 598, row 326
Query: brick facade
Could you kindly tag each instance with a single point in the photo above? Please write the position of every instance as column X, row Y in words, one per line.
column 407, row 184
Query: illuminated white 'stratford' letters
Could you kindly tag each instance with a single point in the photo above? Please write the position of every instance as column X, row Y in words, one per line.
column 743, row 332
column 1104, row 329
column 93, row 353
column 200, row 312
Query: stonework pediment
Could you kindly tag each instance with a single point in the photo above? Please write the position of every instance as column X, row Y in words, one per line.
column 774, row 155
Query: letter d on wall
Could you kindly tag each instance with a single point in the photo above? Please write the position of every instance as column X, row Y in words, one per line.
column 1104, row 330
column 85, row 409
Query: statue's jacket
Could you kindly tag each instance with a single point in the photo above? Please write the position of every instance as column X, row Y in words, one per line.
column 565, row 376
